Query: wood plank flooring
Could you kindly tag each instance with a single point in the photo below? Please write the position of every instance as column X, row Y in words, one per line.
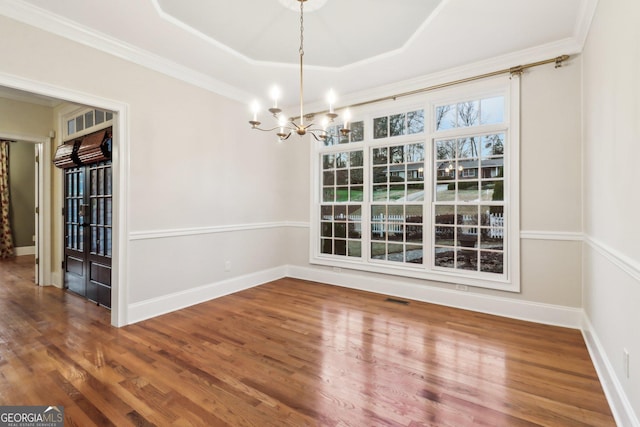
column 290, row 353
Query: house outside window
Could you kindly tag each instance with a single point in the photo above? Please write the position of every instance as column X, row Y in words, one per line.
column 427, row 188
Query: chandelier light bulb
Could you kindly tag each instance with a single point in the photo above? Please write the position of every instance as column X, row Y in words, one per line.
column 275, row 95
column 255, row 108
column 331, row 99
column 347, row 118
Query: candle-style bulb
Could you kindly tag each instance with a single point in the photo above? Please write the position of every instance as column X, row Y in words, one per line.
column 347, row 118
column 331, row 99
column 275, row 95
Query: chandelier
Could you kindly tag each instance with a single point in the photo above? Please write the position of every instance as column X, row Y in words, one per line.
column 286, row 126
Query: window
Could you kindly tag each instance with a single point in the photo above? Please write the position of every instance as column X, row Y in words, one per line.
column 86, row 121
column 425, row 190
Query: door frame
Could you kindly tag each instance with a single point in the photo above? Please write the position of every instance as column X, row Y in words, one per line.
column 43, row 216
column 120, row 163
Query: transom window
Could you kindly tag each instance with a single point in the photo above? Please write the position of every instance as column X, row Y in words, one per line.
column 87, row 121
column 425, row 190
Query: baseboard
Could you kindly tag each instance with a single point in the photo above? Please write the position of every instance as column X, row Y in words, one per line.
column 25, row 250
column 167, row 303
column 549, row 314
column 618, row 402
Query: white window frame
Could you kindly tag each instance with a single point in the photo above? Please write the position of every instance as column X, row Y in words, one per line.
column 504, row 85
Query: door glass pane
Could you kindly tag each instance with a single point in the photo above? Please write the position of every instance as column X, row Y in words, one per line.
column 108, row 242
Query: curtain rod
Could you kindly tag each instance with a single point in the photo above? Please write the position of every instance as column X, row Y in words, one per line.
column 517, row 70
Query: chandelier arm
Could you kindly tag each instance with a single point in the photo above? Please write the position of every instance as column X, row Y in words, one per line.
column 272, row 129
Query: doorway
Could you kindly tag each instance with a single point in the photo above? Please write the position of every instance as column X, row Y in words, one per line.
column 50, row 208
column 88, row 207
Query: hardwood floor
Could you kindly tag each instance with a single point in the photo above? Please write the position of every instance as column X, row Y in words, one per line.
column 290, row 353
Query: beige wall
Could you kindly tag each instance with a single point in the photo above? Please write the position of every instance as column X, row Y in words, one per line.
column 23, row 118
column 22, row 190
column 611, row 127
column 18, row 118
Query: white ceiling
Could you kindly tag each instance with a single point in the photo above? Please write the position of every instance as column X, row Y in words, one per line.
column 242, row 48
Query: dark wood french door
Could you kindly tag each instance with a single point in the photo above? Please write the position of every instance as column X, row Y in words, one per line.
column 88, row 232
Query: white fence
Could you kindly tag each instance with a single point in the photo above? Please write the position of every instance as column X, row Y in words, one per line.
column 394, row 224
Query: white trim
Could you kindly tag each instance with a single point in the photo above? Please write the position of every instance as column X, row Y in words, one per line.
column 583, row 21
column 56, row 24
column 620, row 260
column 25, row 250
column 167, row 303
column 180, row 232
column 552, row 235
column 549, row 314
column 618, row 401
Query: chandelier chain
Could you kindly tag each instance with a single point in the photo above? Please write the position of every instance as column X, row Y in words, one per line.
column 301, row 50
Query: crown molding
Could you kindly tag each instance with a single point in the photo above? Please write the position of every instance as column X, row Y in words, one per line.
column 63, row 27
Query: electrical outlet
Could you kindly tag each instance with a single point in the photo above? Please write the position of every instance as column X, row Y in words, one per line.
column 462, row 288
column 625, row 362
column 227, row 266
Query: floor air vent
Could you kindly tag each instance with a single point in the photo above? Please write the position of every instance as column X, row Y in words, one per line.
column 397, row 301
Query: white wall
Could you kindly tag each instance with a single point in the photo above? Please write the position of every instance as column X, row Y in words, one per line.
column 611, row 264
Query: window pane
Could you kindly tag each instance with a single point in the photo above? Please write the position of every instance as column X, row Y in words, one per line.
column 468, row 191
column 492, row 145
column 380, row 174
column 492, row 110
column 356, row 176
column 397, row 154
column 467, row 260
column 356, row 159
column 378, row 250
column 492, row 238
column 415, row 121
column 414, row 153
column 380, row 129
column 88, row 119
column 342, row 160
column 79, row 123
column 446, row 149
column 468, row 148
column 397, row 124
column 380, row 156
column 99, row 116
column 445, row 117
column 467, row 215
column 328, row 178
column 71, row 127
column 444, row 236
column 468, row 113
column 491, row 262
column 444, row 257
column 357, row 131
column 328, row 161
column 446, row 192
column 342, row 177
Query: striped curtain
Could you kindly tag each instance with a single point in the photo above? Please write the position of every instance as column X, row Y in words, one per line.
column 6, row 239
